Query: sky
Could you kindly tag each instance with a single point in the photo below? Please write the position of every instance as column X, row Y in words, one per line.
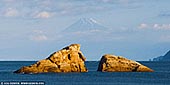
column 32, row 29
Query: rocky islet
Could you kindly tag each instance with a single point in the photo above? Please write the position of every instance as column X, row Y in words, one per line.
column 112, row 63
column 71, row 59
column 68, row 59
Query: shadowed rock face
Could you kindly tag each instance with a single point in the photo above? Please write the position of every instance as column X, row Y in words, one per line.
column 112, row 63
column 69, row 59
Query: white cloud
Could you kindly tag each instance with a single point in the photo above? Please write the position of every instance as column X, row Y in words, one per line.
column 143, row 26
column 11, row 12
column 38, row 35
column 46, row 2
column 39, row 38
column 106, row 1
column 38, row 31
column 64, row 12
column 161, row 26
column 9, row 0
column 43, row 15
column 155, row 26
column 47, row 8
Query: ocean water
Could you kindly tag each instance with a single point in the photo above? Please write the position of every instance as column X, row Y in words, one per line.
column 161, row 76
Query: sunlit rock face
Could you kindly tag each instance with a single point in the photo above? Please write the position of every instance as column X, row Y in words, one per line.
column 112, row 63
column 68, row 59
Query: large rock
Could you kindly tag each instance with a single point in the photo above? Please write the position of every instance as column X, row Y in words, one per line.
column 112, row 63
column 69, row 59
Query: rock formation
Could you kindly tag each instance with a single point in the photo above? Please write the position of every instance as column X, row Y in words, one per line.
column 166, row 57
column 69, row 59
column 112, row 63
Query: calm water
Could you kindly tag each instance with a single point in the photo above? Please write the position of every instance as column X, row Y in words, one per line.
column 161, row 76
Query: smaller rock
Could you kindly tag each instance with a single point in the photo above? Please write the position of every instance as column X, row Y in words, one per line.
column 112, row 63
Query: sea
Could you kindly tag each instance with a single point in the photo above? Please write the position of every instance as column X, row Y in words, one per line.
column 160, row 76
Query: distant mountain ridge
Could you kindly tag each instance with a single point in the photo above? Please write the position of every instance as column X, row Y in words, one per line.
column 85, row 25
column 166, row 57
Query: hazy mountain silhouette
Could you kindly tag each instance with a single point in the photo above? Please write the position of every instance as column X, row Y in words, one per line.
column 166, row 57
column 85, row 25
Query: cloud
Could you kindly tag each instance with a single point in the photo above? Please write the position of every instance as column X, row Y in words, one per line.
column 38, row 31
column 38, row 35
column 107, row 1
column 9, row 0
column 39, row 38
column 11, row 12
column 143, row 26
column 43, row 15
column 47, row 8
column 161, row 26
column 46, row 2
column 154, row 26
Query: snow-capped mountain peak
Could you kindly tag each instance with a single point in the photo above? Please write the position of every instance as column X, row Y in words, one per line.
column 88, row 20
column 85, row 24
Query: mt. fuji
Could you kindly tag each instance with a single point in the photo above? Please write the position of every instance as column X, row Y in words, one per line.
column 85, row 25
